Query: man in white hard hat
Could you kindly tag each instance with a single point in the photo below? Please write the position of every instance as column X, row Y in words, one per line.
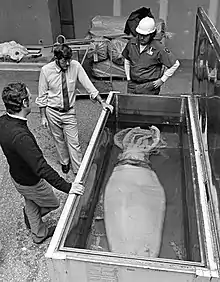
column 145, row 58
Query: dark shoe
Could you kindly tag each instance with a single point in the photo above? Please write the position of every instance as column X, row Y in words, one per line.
column 65, row 168
column 49, row 234
column 26, row 221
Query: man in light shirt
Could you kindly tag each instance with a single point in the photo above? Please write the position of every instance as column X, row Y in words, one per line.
column 145, row 59
column 56, row 100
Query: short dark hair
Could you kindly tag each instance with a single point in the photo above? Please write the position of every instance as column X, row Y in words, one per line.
column 13, row 96
column 62, row 51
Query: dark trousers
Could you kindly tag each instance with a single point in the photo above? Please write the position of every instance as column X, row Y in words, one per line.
column 142, row 88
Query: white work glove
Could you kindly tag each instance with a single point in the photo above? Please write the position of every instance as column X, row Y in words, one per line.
column 44, row 122
column 157, row 83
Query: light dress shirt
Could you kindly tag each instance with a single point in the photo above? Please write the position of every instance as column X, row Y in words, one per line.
column 50, row 84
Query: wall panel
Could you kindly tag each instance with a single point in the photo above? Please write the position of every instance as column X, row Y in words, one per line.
column 181, row 21
column 85, row 10
column 25, row 21
column 130, row 5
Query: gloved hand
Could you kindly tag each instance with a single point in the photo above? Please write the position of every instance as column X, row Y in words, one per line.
column 44, row 122
column 157, row 83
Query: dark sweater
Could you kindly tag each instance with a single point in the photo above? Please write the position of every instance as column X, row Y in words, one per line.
column 27, row 164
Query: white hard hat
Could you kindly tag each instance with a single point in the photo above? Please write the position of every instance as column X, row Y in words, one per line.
column 146, row 26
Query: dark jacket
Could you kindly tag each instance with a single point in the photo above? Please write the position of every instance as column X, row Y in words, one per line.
column 27, row 164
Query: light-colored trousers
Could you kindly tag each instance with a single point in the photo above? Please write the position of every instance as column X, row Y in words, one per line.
column 39, row 201
column 63, row 127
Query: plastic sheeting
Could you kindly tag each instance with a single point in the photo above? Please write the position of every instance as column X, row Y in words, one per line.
column 108, row 69
column 98, row 50
column 102, row 49
column 112, row 27
column 107, row 57
column 115, row 49
column 104, row 26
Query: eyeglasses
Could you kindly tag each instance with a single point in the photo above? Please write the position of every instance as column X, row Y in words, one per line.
column 65, row 61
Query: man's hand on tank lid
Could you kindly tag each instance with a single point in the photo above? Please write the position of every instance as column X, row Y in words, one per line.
column 107, row 106
column 104, row 105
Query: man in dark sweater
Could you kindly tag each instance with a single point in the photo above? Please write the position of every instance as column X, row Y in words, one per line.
column 30, row 172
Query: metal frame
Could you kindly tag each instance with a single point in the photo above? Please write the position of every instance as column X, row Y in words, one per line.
column 207, row 269
column 211, row 33
column 204, row 185
column 213, row 39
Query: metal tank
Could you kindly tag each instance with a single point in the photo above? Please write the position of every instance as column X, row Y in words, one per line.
column 187, row 168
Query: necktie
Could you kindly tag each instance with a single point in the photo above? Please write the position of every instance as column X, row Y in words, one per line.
column 66, row 104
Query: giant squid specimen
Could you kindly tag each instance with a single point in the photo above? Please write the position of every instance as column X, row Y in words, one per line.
column 134, row 199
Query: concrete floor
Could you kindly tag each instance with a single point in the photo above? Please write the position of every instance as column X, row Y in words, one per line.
column 20, row 259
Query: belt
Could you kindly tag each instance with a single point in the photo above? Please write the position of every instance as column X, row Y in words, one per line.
column 60, row 110
column 144, row 81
